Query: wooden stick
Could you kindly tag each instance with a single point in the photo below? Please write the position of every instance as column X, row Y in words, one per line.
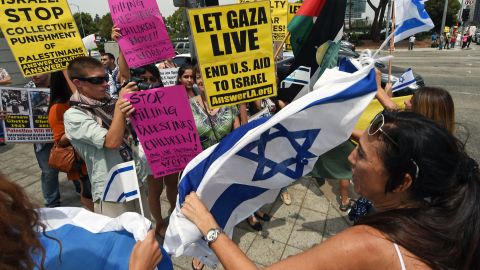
column 392, row 42
column 281, row 46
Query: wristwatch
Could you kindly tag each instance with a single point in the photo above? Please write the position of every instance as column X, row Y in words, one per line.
column 212, row 235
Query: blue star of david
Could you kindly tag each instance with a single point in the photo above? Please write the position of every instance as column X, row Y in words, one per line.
column 300, row 160
column 402, row 79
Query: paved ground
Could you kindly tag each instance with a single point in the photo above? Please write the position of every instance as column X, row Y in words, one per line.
column 313, row 216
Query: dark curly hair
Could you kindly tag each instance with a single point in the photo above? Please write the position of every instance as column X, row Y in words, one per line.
column 19, row 222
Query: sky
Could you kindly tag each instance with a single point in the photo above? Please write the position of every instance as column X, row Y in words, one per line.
column 100, row 7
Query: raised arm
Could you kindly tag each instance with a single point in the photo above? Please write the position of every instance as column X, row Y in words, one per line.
column 123, row 109
column 346, row 250
column 123, row 69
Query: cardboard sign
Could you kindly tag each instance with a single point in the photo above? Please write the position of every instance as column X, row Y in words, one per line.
column 27, row 117
column 236, row 52
column 292, row 10
column 164, row 124
column 279, row 12
column 42, row 35
column 169, row 76
column 144, row 37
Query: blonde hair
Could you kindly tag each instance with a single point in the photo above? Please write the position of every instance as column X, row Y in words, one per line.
column 437, row 104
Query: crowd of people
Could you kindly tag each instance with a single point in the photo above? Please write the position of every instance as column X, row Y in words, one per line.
column 410, row 171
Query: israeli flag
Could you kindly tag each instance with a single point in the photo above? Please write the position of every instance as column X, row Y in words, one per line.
column 411, row 18
column 404, row 81
column 122, row 183
column 248, row 167
column 91, row 241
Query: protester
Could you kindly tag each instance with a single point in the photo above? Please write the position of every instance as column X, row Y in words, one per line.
column 5, row 78
column 96, row 126
column 453, row 40
column 431, row 102
column 212, row 125
column 150, row 76
column 186, row 78
column 442, row 41
column 419, row 176
column 446, row 42
column 434, row 103
column 59, row 103
column 411, row 42
column 49, row 176
column 20, row 226
column 108, row 61
column 167, row 63
column 464, row 40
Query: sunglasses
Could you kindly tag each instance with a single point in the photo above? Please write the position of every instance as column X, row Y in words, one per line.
column 94, row 80
column 376, row 126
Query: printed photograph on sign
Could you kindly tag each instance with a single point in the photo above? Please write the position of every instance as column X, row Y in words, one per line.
column 40, row 100
column 42, row 35
column 15, row 102
column 236, row 55
column 27, row 115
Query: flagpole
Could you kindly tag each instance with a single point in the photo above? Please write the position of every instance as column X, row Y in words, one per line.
column 392, row 44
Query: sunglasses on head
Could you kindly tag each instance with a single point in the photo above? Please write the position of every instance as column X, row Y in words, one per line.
column 95, row 80
column 376, row 126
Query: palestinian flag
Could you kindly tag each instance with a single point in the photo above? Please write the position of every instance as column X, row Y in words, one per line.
column 309, row 34
column 303, row 22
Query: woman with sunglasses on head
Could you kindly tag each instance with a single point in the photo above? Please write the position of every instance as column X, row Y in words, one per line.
column 431, row 102
column 59, row 103
column 426, row 191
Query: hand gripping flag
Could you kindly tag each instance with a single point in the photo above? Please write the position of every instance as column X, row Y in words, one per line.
column 404, row 81
column 91, row 241
column 248, row 167
column 411, row 18
column 122, row 183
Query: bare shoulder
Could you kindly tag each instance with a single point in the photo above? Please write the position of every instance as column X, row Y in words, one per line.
column 358, row 247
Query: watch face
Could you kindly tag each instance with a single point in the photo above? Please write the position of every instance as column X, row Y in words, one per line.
column 212, row 235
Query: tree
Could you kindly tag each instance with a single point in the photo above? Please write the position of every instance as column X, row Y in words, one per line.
column 88, row 25
column 96, row 19
column 105, row 26
column 379, row 14
column 176, row 26
column 435, row 10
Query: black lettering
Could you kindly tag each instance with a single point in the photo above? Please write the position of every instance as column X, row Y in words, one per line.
column 10, row 12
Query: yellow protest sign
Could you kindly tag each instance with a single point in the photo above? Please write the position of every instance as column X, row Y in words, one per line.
column 235, row 52
column 292, row 10
column 42, row 34
column 278, row 10
column 374, row 108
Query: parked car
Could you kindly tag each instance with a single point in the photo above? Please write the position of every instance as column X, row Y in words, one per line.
column 182, row 59
column 181, row 47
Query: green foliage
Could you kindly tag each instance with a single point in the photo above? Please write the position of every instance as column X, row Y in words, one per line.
column 176, row 26
column 435, row 10
column 105, row 26
column 89, row 25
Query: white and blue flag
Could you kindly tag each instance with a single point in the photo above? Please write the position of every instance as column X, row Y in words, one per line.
column 122, row 183
column 248, row 167
column 411, row 18
column 91, row 241
column 404, row 81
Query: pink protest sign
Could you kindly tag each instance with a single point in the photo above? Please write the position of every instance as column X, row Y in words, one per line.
column 144, row 37
column 165, row 127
